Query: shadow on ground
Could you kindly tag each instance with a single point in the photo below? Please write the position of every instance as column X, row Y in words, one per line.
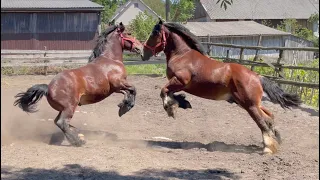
column 76, row 171
column 310, row 111
column 58, row 137
column 214, row 146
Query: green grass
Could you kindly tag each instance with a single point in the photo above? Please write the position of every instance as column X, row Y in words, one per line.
column 159, row 69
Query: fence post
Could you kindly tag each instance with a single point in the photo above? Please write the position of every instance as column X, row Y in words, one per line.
column 228, row 55
column 280, row 70
column 209, row 46
column 257, row 51
column 241, row 54
column 45, row 61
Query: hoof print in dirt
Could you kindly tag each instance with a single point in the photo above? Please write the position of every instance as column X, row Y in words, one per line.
column 124, row 107
column 183, row 103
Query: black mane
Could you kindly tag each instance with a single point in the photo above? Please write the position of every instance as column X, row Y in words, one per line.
column 101, row 41
column 188, row 37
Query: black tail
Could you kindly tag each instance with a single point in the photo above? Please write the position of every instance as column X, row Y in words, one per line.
column 277, row 95
column 27, row 100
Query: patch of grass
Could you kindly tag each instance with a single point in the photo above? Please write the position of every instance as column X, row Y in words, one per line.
column 147, row 69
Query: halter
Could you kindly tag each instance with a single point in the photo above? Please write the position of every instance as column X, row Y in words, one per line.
column 162, row 42
column 132, row 41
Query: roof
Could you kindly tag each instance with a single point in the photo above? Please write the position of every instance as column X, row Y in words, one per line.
column 262, row 9
column 125, row 6
column 48, row 4
column 231, row 28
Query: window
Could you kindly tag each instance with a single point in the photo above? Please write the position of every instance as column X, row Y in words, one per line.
column 136, row 5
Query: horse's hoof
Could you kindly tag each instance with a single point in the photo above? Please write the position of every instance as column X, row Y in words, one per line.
column 124, row 109
column 172, row 110
column 120, row 105
column 81, row 136
column 79, row 143
column 271, row 145
column 267, row 151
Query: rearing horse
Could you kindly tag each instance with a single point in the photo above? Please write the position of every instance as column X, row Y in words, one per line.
column 103, row 75
column 190, row 70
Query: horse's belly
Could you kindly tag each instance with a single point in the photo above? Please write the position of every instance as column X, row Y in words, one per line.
column 216, row 92
column 90, row 99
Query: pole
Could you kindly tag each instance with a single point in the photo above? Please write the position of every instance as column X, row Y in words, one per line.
column 167, row 10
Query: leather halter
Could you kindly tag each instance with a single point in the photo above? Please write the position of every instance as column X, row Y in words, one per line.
column 162, row 42
column 132, row 41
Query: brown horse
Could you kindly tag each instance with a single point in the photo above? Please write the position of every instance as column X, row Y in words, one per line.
column 103, row 75
column 190, row 70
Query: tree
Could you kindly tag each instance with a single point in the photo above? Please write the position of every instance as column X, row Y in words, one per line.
column 109, row 8
column 157, row 6
column 292, row 26
column 142, row 25
column 181, row 10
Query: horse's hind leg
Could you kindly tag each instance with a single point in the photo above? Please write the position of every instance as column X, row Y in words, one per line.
column 270, row 122
column 62, row 121
column 271, row 145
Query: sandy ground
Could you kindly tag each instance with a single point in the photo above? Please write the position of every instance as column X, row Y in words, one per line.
column 214, row 140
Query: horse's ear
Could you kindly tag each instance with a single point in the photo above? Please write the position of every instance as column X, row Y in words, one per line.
column 112, row 23
column 160, row 21
column 121, row 27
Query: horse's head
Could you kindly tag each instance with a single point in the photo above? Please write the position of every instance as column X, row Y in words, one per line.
column 156, row 41
column 129, row 42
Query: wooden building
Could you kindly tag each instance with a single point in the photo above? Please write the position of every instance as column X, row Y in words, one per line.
column 272, row 11
column 248, row 33
column 49, row 24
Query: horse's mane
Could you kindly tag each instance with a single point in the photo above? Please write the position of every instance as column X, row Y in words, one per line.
column 101, row 41
column 188, row 37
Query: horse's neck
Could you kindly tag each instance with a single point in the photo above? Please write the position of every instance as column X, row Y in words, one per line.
column 113, row 51
column 176, row 46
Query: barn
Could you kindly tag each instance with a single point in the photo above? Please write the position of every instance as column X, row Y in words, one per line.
column 49, row 24
column 249, row 33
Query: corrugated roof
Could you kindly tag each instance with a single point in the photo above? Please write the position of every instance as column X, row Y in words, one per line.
column 49, row 4
column 262, row 9
column 231, row 28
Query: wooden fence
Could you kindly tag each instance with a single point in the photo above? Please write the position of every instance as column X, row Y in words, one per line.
column 308, row 90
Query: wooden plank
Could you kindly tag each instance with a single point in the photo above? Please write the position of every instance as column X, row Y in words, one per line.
column 247, row 62
column 263, row 48
column 74, row 63
column 300, row 84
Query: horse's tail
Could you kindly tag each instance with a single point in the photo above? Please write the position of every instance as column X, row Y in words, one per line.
column 277, row 95
column 27, row 100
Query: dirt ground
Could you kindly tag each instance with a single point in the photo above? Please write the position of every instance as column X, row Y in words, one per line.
column 214, row 140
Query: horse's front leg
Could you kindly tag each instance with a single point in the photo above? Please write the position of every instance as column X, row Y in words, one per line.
column 129, row 92
column 170, row 101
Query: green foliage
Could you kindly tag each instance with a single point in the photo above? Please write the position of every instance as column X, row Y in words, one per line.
column 142, row 25
column 157, row 6
column 159, row 69
column 181, row 10
column 289, row 25
column 225, row 3
column 109, row 8
column 314, row 18
column 266, row 22
column 292, row 26
column 308, row 95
